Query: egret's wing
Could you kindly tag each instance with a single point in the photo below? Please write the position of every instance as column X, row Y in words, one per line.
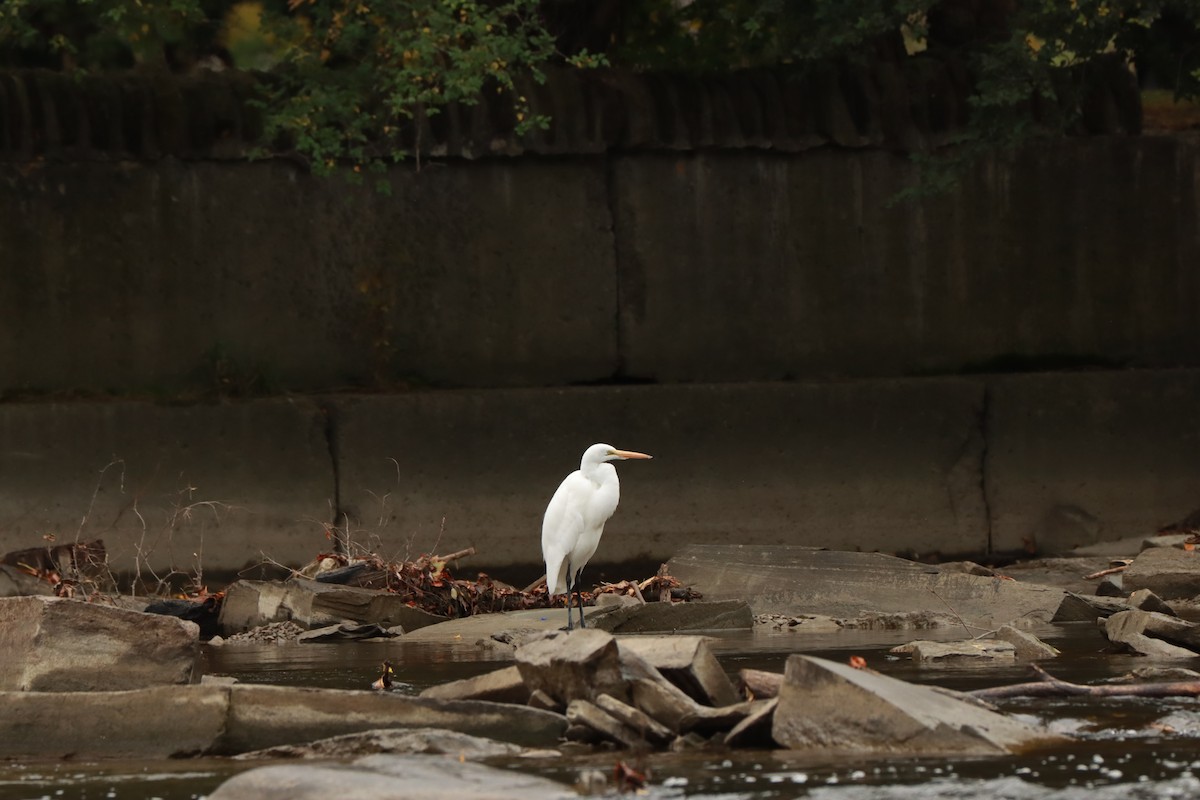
column 561, row 528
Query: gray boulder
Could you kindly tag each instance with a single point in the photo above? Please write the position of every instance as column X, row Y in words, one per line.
column 824, row 705
column 500, row 686
column 687, row 662
column 268, row 716
column 1167, row 571
column 50, row 644
column 1152, row 634
column 572, row 665
column 390, row 777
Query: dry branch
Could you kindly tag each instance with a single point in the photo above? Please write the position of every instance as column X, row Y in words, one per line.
column 1049, row 686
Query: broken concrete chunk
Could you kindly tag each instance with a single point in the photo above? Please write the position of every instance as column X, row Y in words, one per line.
column 1110, row 586
column 581, row 712
column 1146, row 600
column 927, row 652
column 346, row 632
column 687, row 662
column 664, row 702
column 1168, row 572
column 251, row 604
column 316, row 604
column 830, row 706
column 430, row 741
column 635, row 719
column 732, row 614
column 50, row 644
column 378, row 776
column 1087, row 608
column 17, row 583
column 268, row 716
column 572, row 665
column 1028, row 646
column 500, row 686
column 755, row 729
column 1142, row 633
column 796, row 580
column 758, row 684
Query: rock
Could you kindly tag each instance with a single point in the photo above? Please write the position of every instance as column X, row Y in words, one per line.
column 926, row 652
column 1168, row 572
column 1087, row 608
column 1165, row 540
column 1028, row 646
column 663, row 702
column 56, row 645
column 540, row 699
column 1130, row 629
column 17, row 583
column 687, row 662
column 1067, row 573
column 433, row 741
column 347, row 632
column 157, row 722
column 843, row 585
column 500, row 686
column 1146, row 600
column 635, row 720
column 382, row 776
column 572, row 665
column 799, row 623
column 581, row 712
column 828, row 706
column 758, row 684
column 315, row 604
column 755, row 729
column 1110, row 586
column 695, row 616
column 1157, row 675
column 268, row 716
column 250, row 604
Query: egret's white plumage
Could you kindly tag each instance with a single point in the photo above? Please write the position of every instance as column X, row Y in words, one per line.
column 574, row 520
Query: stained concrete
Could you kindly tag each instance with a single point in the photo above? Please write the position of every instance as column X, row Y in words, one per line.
column 167, row 487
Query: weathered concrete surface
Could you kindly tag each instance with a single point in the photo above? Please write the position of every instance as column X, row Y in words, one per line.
column 865, row 465
column 267, row 716
column 1075, row 460
column 158, row 722
column 1167, row 571
column 829, row 706
column 388, row 777
column 49, row 644
column 166, row 486
column 797, row 580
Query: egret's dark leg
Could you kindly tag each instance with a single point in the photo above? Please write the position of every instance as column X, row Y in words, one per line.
column 579, row 597
column 569, row 595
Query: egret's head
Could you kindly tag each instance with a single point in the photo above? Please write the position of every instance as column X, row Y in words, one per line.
column 606, row 452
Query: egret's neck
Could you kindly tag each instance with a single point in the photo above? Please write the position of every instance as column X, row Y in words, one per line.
column 597, row 471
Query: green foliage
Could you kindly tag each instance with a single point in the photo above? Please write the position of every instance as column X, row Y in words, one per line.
column 352, row 76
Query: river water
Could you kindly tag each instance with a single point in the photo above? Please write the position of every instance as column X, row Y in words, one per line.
column 1125, row 747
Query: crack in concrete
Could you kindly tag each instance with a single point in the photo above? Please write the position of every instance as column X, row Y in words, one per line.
column 983, row 418
column 329, row 412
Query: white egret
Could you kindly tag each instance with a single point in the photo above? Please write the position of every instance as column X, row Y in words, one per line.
column 575, row 518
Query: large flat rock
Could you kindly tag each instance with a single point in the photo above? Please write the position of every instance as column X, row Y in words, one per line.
column 267, row 716
column 159, row 722
column 50, row 644
column 825, row 705
column 799, row 580
column 1169, row 572
column 390, row 777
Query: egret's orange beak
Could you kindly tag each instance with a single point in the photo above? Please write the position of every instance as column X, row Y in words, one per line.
column 628, row 454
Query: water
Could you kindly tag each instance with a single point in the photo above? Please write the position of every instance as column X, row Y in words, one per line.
column 1126, row 747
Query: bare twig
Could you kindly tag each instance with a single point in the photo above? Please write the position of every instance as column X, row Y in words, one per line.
column 1050, row 686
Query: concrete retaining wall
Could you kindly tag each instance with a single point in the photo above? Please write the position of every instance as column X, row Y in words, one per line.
column 948, row 465
column 186, row 277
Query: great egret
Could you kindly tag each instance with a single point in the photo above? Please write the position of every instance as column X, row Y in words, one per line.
column 575, row 518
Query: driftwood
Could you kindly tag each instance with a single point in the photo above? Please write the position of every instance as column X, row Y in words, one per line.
column 1050, row 686
column 1110, row 571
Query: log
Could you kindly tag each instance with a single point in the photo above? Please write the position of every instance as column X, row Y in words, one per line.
column 1049, row 686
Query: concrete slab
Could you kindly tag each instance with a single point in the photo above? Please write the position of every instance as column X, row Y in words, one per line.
column 1081, row 458
column 168, row 487
column 864, row 464
column 797, row 580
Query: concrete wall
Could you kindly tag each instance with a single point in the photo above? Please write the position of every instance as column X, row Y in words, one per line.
column 703, row 267
column 933, row 465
